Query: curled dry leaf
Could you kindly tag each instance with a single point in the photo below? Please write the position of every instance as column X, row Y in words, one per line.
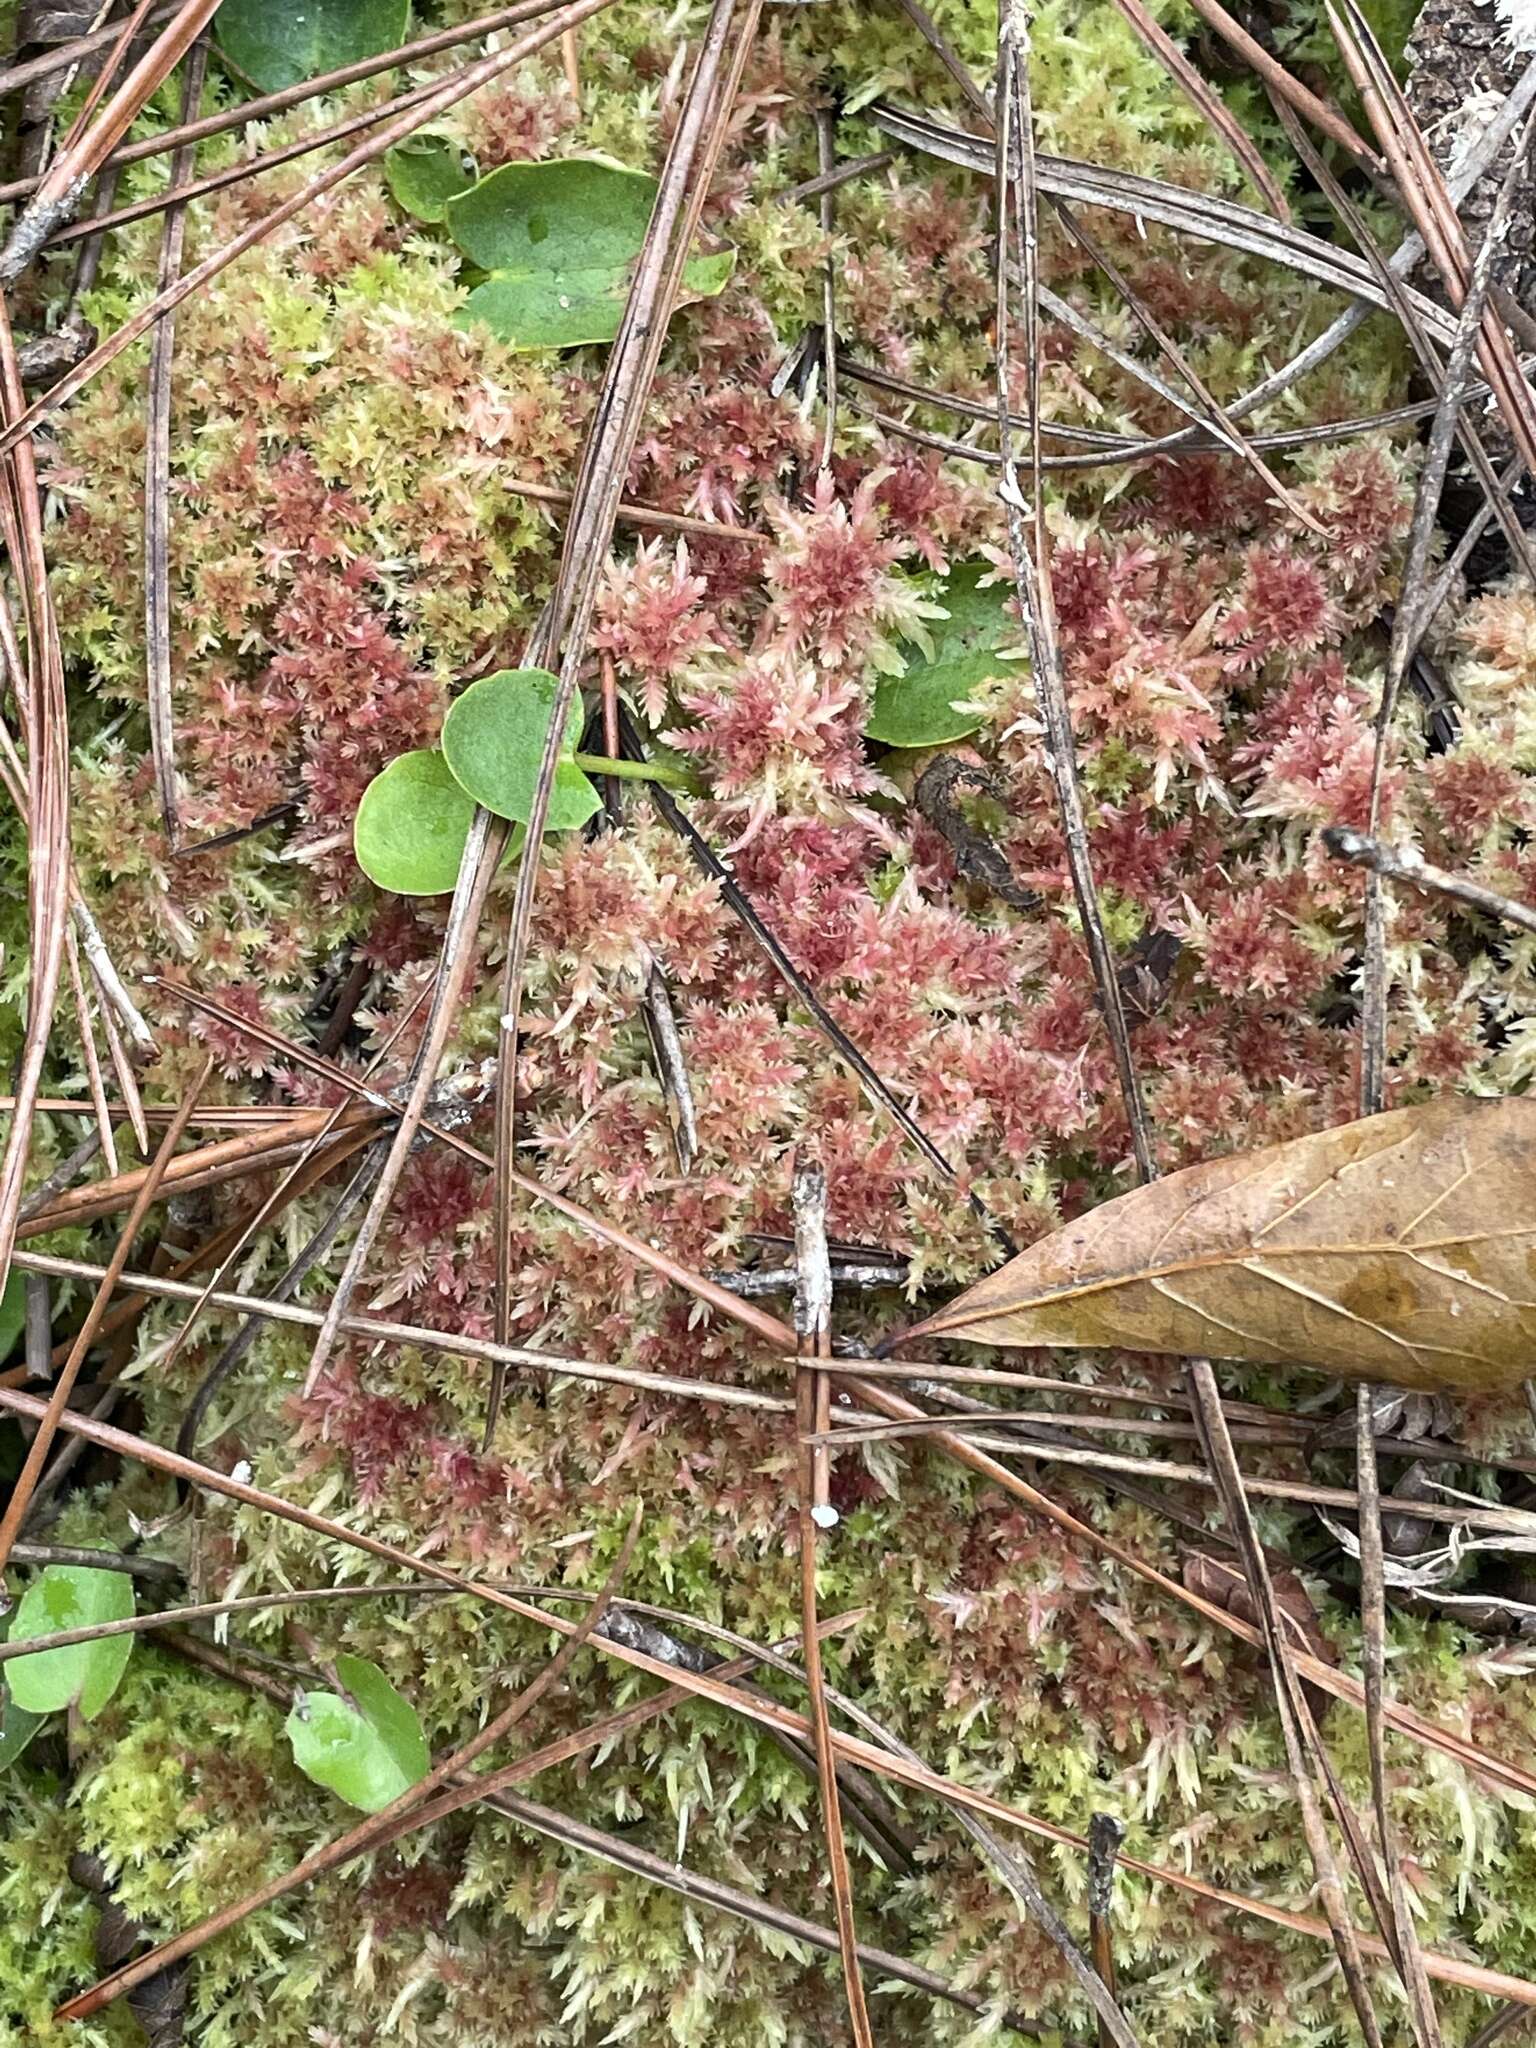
column 1218, row 1580
column 1401, row 1248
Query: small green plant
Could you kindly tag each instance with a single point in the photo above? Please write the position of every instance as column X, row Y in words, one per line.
column 558, row 242
column 275, row 46
column 926, row 705
column 367, row 1748
column 416, row 813
column 86, row 1675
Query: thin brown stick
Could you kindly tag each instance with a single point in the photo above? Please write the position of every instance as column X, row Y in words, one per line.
column 843, row 174
column 1208, row 103
column 69, row 54
column 813, row 1310
column 630, row 514
column 208, row 1166
column 1504, row 2021
column 58, row 1402
column 1405, row 864
column 570, row 59
column 1029, row 546
column 1274, row 74
column 122, row 1063
column 88, row 1050
column 157, row 473
column 374, row 1329
column 1105, row 1835
column 62, row 1175
column 736, row 899
column 15, row 781
column 851, row 1428
column 950, row 58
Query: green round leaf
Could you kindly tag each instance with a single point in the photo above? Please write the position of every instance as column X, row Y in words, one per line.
column 274, row 45
column 917, row 708
column 424, row 176
column 493, row 739
column 70, row 1596
column 557, row 242
column 411, row 826
column 368, row 1753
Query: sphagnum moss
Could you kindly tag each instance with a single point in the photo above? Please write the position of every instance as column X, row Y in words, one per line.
column 348, row 546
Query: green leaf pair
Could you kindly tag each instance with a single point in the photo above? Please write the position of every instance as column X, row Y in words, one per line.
column 367, row 1750
column 925, row 706
column 415, row 815
column 556, row 242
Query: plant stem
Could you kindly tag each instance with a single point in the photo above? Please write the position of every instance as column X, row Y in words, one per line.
column 632, row 771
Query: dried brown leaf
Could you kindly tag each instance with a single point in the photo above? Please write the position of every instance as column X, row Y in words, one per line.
column 1216, row 1579
column 1401, row 1248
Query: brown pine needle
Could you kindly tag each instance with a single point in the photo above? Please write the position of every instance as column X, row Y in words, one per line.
column 157, row 478
column 813, row 1309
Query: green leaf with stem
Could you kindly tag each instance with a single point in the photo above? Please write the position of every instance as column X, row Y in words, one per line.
column 494, row 738
column 17, row 1725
